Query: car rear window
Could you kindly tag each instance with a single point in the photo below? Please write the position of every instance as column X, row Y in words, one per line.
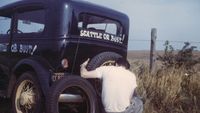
column 93, row 26
column 98, row 23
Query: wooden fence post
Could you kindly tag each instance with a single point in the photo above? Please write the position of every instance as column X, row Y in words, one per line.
column 153, row 48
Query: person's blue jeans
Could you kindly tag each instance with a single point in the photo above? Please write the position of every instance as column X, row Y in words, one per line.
column 136, row 106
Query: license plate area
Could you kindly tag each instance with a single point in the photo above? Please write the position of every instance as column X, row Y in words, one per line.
column 57, row 76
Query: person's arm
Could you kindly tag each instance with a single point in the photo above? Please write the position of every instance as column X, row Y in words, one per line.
column 88, row 74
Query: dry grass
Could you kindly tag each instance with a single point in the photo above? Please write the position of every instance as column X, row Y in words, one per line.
column 167, row 90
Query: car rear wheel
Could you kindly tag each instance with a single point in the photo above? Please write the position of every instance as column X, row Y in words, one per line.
column 72, row 94
column 103, row 59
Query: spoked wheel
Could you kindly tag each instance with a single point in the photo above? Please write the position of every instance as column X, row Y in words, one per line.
column 27, row 95
column 72, row 94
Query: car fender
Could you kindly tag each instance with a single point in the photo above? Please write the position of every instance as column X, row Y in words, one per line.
column 41, row 69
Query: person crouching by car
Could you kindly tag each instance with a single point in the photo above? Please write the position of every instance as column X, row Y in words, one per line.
column 118, row 87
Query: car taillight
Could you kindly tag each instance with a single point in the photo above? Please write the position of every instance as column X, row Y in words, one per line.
column 64, row 63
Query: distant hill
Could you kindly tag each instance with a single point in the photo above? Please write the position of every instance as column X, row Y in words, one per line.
column 145, row 54
column 138, row 54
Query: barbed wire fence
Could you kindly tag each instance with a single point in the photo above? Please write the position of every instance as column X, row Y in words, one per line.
column 155, row 44
column 160, row 44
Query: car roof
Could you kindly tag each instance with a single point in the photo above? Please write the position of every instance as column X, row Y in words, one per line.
column 46, row 3
column 79, row 5
column 89, row 5
column 25, row 3
column 100, row 10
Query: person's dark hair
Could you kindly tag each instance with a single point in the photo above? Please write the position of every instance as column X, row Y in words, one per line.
column 122, row 62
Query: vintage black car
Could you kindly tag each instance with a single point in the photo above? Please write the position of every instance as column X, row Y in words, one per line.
column 43, row 41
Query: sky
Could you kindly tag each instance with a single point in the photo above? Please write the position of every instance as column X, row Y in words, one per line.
column 175, row 20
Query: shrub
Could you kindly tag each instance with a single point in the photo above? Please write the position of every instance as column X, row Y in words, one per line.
column 181, row 58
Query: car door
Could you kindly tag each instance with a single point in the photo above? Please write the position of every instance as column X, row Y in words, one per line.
column 5, row 47
column 28, row 34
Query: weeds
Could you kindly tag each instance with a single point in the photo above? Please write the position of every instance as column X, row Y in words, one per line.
column 169, row 91
column 182, row 58
column 174, row 87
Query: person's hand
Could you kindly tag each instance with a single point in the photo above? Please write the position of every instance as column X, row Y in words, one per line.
column 84, row 64
column 83, row 67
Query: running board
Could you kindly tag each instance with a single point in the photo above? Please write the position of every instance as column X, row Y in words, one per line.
column 70, row 98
